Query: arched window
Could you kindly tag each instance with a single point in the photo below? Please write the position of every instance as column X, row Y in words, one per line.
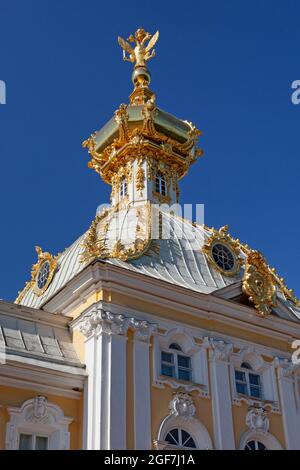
column 248, row 382
column 255, row 445
column 160, row 184
column 174, row 363
column 180, row 438
column 123, row 187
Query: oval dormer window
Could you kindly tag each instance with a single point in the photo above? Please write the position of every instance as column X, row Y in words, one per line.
column 43, row 274
column 223, row 257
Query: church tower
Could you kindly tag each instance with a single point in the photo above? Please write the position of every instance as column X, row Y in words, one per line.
column 130, row 339
column 142, row 152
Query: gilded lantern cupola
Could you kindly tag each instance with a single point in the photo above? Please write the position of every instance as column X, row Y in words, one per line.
column 142, row 151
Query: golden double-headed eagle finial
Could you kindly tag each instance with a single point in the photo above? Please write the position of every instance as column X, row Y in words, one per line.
column 140, row 54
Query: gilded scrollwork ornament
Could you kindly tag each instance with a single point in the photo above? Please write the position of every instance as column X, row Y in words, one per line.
column 47, row 262
column 121, row 117
column 258, row 283
column 140, row 177
column 222, row 237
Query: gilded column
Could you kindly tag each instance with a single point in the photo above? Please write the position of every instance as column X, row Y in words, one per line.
column 219, row 354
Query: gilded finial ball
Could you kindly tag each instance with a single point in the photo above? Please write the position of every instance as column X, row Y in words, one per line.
column 141, row 76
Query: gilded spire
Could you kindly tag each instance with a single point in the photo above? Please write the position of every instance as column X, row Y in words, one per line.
column 139, row 55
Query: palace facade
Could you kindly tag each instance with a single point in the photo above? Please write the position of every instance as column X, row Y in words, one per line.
column 150, row 331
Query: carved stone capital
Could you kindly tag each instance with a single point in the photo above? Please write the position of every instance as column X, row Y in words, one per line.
column 257, row 420
column 287, row 369
column 182, row 405
column 221, row 349
column 98, row 321
column 142, row 329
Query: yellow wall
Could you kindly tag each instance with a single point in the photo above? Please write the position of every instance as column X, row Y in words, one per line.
column 15, row 397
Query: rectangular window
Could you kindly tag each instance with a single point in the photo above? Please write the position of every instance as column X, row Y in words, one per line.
column 255, row 386
column 33, row 442
column 240, row 382
column 41, row 443
column 248, row 383
column 167, row 364
column 25, row 442
column 157, row 185
column 184, row 367
column 176, row 365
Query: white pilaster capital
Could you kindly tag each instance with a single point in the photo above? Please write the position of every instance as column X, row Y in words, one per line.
column 220, row 350
column 286, row 368
column 142, row 329
column 98, row 321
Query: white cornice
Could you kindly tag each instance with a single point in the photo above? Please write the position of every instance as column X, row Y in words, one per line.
column 31, row 314
column 31, row 376
column 195, row 331
column 158, row 292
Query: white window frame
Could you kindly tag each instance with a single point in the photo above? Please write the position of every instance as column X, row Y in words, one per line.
column 175, row 364
column 33, row 436
column 247, row 373
column 266, row 438
column 198, row 357
column 267, row 373
column 27, row 419
column 191, row 425
column 180, row 444
column 123, row 187
column 160, row 184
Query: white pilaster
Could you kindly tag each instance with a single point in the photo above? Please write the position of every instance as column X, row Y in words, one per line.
column 221, row 395
column 290, row 413
column 141, row 386
column 105, row 410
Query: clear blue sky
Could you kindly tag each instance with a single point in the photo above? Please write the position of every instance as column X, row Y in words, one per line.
column 226, row 65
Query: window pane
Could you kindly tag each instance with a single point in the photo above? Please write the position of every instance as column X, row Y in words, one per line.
column 175, row 346
column 25, row 442
column 250, row 445
column 172, row 437
column 167, row 357
column 184, row 361
column 255, row 392
column 241, row 388
column 167, row 370
column 246, row 365
column 190, row 443
column 184, row 374
column 261, row 446
column 254, row 379
column 41, row 443
column 240, row 376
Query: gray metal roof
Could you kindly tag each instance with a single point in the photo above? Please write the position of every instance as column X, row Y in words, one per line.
column 179, row 261
column 36, row 337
